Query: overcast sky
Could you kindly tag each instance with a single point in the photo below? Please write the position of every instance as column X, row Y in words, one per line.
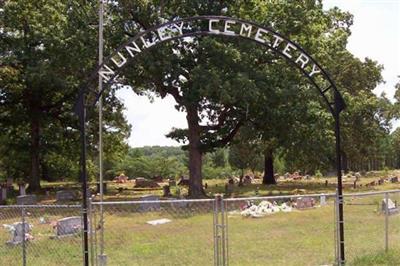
column 375, row 34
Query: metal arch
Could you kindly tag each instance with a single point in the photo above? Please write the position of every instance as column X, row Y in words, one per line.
column 335, row 106
column 322, row 91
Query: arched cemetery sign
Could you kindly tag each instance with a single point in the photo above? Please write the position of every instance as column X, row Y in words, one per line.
column 225, row 26
column 221, row 26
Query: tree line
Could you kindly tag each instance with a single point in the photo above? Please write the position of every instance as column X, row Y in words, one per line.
column 235, row 93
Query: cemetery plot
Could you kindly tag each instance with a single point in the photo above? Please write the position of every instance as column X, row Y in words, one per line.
column 281, row 236
column 40, row 229
column 169, row 233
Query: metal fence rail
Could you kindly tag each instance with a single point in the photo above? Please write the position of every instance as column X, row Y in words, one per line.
column 215, row 231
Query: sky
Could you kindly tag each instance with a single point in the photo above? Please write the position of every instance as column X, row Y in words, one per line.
column 375, row 34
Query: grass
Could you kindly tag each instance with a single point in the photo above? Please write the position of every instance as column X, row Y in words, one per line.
column 297, row 238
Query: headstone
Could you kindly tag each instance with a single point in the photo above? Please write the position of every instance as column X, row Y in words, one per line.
column 394, row 179
column 22, row 191
column 322, row 200
column 104, row 187
column 141, row 182
column 69, row 226
column 229, row 188
column 17, row 231
column 358, row 176
column 65, row 195
column 304, row 202
column 381, row 181
column 27, row 200
column 392, row 208
column 3, row 193
column 166, row 191
column 151, row 205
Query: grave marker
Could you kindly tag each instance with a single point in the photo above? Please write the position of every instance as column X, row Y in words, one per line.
column 68, row 226
column 144, row 206
column 27, row 200
column 65, row 195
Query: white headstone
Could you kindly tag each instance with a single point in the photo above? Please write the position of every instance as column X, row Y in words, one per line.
column 322, row 200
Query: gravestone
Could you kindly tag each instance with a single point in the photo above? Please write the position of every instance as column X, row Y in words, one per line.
column 104, row 187
column 65, row 195
column 22, row 191
column 3, row 193
column 304, row 202
column 322, row 200
column 151, row 205
column 27, row 200
column 394, row 179
column 17, row 231
column 392, row 208
column 68, row 226
column 229, row 188
column 166, row 191
column 141, row 182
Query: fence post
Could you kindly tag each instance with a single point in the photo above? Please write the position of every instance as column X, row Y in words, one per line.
column 337, row 201
column 386, row 221
column 335, row 229
column 23, row 237
column 215, row 231
column 223, row 233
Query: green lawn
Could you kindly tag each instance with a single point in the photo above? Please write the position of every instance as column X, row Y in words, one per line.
column 297, row 238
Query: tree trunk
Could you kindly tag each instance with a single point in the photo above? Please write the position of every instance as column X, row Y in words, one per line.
column 268, row 178
column 34, row 178
column 195, row 154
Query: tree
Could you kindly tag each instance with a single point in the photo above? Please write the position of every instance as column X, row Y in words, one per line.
column 48, row 49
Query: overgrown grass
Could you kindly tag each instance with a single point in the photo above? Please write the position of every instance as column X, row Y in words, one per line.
column 391, row 258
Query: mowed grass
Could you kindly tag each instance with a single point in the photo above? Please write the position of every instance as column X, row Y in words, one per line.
column 297, row 238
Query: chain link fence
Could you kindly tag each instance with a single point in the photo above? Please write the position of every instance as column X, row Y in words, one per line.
column 47, row 241
column 371, row 224
column 170, row 232
column 279, row 230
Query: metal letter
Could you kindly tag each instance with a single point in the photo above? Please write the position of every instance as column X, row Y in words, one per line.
column 131, row 49
column 277, row 41
column 106, row 74
column 179, row 28
column 122, row 62
column 314, row 70
column 287, row 49
column 247, row 28
column 228, row 24
column 259, row 34
column 210, row 29
column 303, row 59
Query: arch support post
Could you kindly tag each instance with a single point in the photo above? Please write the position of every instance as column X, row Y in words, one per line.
column 339, row 106
column 83, row 177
